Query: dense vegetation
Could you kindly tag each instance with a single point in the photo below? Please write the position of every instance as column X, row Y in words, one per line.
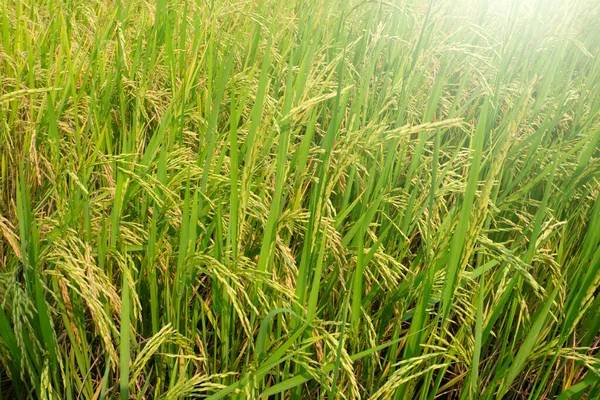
column 299, row 199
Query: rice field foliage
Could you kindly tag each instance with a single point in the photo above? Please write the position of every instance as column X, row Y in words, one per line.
column 299, row 199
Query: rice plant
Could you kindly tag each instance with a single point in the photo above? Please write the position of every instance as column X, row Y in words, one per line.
column 300, row 199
